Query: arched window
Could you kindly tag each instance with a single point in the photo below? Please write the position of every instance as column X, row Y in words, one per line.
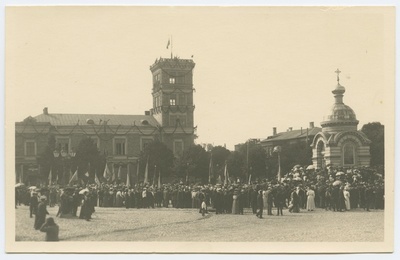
column 349, row 151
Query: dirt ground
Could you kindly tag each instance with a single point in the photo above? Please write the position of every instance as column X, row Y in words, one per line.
column 120, row 224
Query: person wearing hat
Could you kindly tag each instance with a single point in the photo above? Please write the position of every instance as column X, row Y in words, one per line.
column 41, row 213
column 51, row 229
column 33, row 204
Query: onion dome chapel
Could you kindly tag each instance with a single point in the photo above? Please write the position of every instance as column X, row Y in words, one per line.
column 339, row 142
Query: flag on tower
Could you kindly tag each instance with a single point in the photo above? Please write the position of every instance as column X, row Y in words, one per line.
column 169, row 42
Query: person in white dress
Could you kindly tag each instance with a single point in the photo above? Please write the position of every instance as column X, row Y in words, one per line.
column 310, row 199
column 346, row 195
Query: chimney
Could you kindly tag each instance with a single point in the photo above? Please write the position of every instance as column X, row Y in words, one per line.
column 45, row 111
column 290, row 128
column 274, row 131
column 311, row 124
column 146, row 113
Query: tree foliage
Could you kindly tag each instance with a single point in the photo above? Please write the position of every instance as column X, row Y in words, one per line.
column 237, row 165
column 88, row 159
column 159, row 157
column 219, row 156
column 375, row 132
column 194, row 162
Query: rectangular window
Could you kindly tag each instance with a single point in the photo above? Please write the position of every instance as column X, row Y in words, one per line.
column 30, row 148
column 63, row 144
column 178, row 148
column 172, row 100
column 120, row 146
column 171, row 80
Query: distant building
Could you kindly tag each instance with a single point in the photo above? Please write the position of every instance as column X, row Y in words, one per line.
column 120, row 137
column 290, row 137
column 339, row 142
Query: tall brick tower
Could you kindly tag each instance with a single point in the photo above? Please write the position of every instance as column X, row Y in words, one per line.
column 173, row 101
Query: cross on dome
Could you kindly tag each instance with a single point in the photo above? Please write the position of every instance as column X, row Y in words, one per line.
column 338, row 72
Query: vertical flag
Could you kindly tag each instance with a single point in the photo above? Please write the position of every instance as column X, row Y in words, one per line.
column 210, row 169
column 154, row 175
column 250, row 179
column 159, row 179
column 74, row 177
column 113, row 174
column 50, row 176
column 226, row 174
column 119, row 173
column 146, row 172
column 106, row 173
column 137, row 172
column 279, row 167
column 128, row 179
column 96, row 179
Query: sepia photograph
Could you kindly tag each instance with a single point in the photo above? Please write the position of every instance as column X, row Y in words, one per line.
column 202, row 129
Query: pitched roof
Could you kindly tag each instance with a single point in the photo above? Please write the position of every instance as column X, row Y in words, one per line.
column 294, row 134
column 73, row 119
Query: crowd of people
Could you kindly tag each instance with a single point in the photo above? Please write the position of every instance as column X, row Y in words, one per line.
column 333, row 189
column 301, row 189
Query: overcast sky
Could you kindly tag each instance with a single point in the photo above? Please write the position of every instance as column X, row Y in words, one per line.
column 256, row 68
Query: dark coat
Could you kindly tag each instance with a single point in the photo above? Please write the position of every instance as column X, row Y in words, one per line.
column 40, row 216
column 51, row 232
column 260, row 202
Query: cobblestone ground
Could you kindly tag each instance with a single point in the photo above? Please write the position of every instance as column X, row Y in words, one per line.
column 120, row 224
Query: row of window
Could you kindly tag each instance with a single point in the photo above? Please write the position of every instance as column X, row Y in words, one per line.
column 186, row 79
column 174, row 100
column 120, row 145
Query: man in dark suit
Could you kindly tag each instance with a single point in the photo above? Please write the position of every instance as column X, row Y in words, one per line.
column 279, row 200
column 260, row 204
column 253, row 200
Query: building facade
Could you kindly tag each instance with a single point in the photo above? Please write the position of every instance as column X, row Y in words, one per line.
column 339, row 143
column 120, row 137
column 290, row 137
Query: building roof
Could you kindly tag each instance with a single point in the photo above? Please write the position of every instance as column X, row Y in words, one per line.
column 293, row 134
column 82, row 119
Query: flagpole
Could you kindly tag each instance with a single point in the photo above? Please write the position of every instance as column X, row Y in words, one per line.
column 171, row 47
